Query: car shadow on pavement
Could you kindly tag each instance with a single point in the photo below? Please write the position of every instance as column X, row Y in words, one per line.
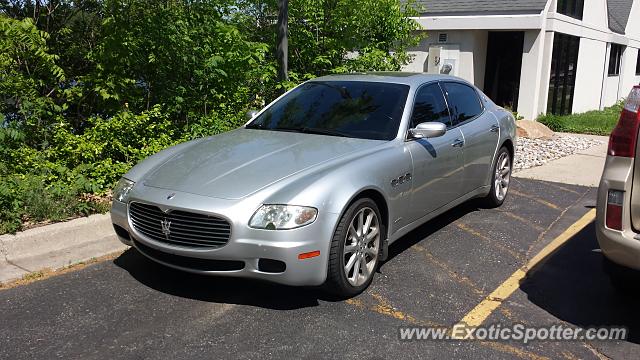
column 253, row 292
column 572, row 286
column 430, row 227
column 216, row 289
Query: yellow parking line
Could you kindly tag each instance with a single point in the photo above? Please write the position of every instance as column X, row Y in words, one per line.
column 522, row 220
column 536, row 199
column 482, row 311
column 563, row 188
column 384, row 307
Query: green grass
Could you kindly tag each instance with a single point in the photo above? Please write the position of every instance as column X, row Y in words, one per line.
column 597, row 122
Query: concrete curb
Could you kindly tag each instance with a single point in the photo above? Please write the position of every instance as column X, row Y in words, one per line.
column 56, row 246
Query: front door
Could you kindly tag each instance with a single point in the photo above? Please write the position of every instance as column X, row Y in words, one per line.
column 503, row 67
column 479, row 129
column 437, row 162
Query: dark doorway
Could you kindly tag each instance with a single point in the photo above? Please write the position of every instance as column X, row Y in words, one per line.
column 504, row 63
column 564, row 63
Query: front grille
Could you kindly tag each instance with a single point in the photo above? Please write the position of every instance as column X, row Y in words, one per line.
column 180, row 228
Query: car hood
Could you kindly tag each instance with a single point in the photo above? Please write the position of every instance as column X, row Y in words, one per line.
column 238, row 163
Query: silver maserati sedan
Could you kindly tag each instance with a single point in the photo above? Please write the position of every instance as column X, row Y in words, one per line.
column 315, row 187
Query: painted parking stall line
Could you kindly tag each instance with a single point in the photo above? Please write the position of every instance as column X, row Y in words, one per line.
column 482, row 311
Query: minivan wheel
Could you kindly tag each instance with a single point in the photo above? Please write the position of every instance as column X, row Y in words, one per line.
column 355, row 249
column 500, row 179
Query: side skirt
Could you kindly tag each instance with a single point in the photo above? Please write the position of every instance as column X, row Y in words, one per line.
column 479, row 192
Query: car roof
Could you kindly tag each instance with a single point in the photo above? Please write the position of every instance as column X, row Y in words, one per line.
column 407, row 78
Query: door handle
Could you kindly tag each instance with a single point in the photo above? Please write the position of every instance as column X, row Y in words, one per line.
column 458, row 143
column 494, row 128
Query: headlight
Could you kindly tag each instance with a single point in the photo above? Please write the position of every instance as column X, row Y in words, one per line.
column 121, row 191
column 281, row 217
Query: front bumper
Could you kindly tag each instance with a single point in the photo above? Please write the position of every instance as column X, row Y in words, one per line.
column 246, row 244
column 621, row 247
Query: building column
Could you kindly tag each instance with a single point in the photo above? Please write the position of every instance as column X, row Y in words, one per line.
column 531, row 74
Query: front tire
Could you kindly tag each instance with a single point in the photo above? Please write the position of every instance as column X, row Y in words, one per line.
column 355, row 249
column 500, row 179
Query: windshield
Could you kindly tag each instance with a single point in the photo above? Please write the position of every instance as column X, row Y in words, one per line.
column 360, row 109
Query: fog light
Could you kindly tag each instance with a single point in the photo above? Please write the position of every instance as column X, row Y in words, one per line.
column 613, row 219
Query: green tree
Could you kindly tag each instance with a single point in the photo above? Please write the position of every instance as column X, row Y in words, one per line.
column 29, row 79
column 330, row 36
column 182, row 54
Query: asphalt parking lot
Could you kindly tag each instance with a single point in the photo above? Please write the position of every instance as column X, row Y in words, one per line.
column 130, row 307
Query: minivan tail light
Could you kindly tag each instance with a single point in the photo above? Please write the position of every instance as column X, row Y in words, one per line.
column 622, row 141
column 615, row 200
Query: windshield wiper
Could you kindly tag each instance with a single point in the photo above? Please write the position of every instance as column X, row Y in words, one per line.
column 255, row 126
column 310, row 130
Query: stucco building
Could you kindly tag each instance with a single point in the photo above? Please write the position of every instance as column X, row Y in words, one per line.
column 536, row 56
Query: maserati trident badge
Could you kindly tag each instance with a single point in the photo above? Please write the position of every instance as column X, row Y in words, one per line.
column 166, row 227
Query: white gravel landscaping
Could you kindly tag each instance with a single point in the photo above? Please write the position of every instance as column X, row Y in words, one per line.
column 536, row 152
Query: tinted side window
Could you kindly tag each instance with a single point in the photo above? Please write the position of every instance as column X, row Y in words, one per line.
column 463, row 101
column 430, row 106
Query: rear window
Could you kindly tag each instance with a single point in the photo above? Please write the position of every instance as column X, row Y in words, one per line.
column 361, row 109
column 464, row 102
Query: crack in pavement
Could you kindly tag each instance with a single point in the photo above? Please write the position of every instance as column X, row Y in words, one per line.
column 491, row 242
column 542, row 234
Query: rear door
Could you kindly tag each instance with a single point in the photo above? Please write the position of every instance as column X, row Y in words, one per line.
column 479, row 129
column 437, row 162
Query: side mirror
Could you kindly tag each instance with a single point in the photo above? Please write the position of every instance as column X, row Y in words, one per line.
column 251, row 114
column 428, row 130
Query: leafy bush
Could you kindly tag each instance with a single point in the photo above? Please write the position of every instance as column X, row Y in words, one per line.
column 27, row 199
column 596, row 122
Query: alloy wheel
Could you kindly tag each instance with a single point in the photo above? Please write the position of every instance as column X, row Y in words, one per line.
column 502, row 176
column 361, row 247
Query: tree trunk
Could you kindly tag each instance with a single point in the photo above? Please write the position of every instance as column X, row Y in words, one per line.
column 282, row 47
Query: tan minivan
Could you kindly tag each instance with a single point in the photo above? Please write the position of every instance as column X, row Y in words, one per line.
column 618, row 206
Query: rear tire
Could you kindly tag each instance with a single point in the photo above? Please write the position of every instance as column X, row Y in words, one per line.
column 500, row 179
column 355, row 249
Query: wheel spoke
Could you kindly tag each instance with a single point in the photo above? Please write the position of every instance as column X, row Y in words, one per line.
column 348, row 249
column 361, row 223
column 504, row 161
column 372, row 234
column 371, row 251
column 356, row 271
column 353, row 232
column 350, row 264
column 367, row 223
column 364, row 268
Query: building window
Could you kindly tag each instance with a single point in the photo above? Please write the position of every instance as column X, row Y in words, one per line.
column 638, row 64
column 564, row 62
column 615, row 59
column 571, row 8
